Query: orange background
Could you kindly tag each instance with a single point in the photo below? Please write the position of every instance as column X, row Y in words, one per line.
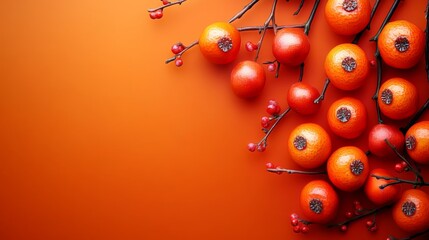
column 99, row 139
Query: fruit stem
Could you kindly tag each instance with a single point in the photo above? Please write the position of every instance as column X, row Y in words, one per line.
column 271, row 18
column 301, row 72
column 412, row 168
column 322, row 95
column 243, row 11
column 292, row 171
column 183, row 51
column 386, row 19
column 427, row 42
column 299, row 7
column 166, row 6
column 359, row 35
column 277, row 120
column 307, row 24
column 398, row 181
column 416, row 117
column 379, row 77
column 357, row 217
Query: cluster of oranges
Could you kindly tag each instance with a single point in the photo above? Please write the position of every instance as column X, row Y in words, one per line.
column 401, row 45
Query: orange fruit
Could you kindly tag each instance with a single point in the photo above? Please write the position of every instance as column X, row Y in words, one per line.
column 417, row 142
column 347, row 66
column 309, row 145
column 319, row 201
column 347, row 117
column 411, row 212
column 385, row 196
column 348, row 168
column 220, row 42
column 401, row 44
column 347, row 17
column 398, row 98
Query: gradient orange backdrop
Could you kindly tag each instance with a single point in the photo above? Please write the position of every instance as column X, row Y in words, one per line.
column 99, row 139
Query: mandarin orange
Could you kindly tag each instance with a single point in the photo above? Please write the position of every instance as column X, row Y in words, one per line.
column 309, row 145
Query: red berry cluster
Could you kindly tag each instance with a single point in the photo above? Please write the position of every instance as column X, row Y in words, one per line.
column 299, row 225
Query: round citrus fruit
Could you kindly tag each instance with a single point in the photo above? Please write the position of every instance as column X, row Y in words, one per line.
column 319, row 201
column 377, row 136
column 398, row 98
column 247, row 79
column 309, row 145
column 417, row 142
column 401, row 44
column 220, row 42
column 411, row 212
column 381, row 196
column 291, row 46
column 348, row 168
column 347, row 17
column 347, row 66
column 347, row 117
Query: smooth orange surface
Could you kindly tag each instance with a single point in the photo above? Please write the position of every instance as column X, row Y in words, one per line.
column 99, row 139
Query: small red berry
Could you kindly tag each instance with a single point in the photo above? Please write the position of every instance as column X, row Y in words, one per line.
column 261, row 148
column 349, row 214
column 179, row 62
column 369, row 223
column 343, row 228
column 372, row 63
column 265, row 121
column 251, row 46
column 273, row 109
column 294, row 222
column 399, row 168
column 297, row 229
column 177, row 48
column 159, row 13
column 271, row 67
column 251, row 147
column 305, row 229
column 153, row 15
column 165, row 2
column 294, row 216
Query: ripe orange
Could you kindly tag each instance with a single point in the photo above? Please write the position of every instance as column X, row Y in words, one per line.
column 347, row 117
column 347, row 17
column 319, row 201
column 347, row 66
column 220, row 42
column 309, row 145
column 398, row 98
column 417, row 142
column 401, row 44
column 385, row 196
column 348, row 168
column 411, row 212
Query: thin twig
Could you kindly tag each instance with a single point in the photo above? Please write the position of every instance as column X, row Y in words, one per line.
column 357, row 217
column 322, row 94
column 182, row 52
column 243, row 11
column 166, row 6
column 416, row 117
column 264, row 30
column 263, row 141
column 292, row 171
column 396, row 180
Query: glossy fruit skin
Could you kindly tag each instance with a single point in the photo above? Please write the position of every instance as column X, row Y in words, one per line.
column 301, row 98
column 387, row 43
column 377, row 136
column 339, row 168
column 355, row 125
column 345, row 22
column 322, row 191
column 404, row 98
column 216, row 35
column 317, row 145
column 385, row 196
column 347, row 66
column 419, row 221
column 418, row 150
column 291, row 46
column 247, row 79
